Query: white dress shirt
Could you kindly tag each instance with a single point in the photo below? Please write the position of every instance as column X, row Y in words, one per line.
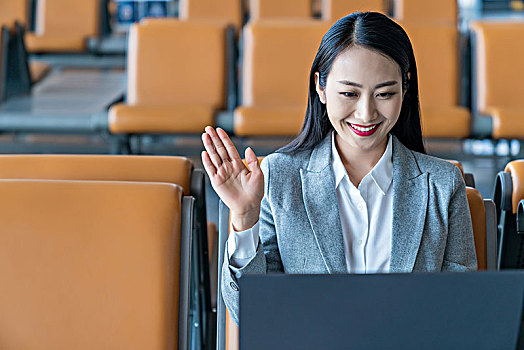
column 366, row 215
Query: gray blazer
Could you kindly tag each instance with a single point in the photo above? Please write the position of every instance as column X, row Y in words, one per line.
column 301, row 233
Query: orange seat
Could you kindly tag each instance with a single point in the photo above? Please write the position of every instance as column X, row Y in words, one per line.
column 427, row 11
column 438, row 73
column 63, row 25
column 168, row 169
column 97, row 265
column 333, row 10
column 165, row 76
column 478, row 220
column 12, row 11
column 499, row 73
column 228, row 11
column 264, row 9
column 273, row 49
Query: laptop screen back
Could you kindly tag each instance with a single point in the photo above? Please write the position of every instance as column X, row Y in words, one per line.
column 480, row 310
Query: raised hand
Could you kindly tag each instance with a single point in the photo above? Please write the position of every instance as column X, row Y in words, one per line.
column 240, row 188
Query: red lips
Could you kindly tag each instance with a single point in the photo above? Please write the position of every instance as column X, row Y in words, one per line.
column 364, row 133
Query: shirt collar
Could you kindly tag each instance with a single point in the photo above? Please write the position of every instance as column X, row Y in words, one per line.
column 382, row 172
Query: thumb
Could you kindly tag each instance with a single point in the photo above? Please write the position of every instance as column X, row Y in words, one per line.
column 251, row 160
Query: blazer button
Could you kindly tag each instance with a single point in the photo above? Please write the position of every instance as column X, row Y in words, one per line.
column 234, row 286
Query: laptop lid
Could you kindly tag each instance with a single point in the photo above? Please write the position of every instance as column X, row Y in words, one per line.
column 480, row 310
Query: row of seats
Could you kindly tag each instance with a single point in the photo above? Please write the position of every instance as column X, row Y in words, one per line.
column 162, row 98
column 60, row 25
column 233, row 11
column 106, row 234
column 64, row 26
column 483, row 217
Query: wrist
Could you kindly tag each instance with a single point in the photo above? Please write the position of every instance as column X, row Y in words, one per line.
column 245, row 220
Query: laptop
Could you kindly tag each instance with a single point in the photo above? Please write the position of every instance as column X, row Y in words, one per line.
column 476, row 310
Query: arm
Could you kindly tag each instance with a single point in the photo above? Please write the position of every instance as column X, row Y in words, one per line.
column 266, row 259
column 460, row 246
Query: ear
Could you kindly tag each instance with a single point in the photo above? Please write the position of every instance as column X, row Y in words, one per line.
column 320, row 92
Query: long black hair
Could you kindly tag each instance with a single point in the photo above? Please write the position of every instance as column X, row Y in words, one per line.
column 374, row 31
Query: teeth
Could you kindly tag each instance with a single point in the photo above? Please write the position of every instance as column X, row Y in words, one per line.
column 363, row 129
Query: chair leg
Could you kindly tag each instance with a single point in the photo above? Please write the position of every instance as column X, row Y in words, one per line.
column 120, row 144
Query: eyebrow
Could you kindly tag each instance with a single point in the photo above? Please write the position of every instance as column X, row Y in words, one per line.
column 386, row 83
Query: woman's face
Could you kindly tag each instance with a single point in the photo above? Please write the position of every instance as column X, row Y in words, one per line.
column 363, row 98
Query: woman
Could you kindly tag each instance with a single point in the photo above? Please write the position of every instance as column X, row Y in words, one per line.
column 354, row 192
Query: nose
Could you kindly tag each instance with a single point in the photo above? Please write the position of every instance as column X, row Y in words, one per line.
column 366, row 110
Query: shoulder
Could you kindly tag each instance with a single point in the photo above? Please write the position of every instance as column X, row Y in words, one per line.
column 439, row 170
column 286, row 162
column 442, row 173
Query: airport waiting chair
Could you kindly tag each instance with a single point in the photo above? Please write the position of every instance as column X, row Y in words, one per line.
column 427, row 11
column 63, row 25
column 498, row 72
column 439, row 80
column 94, row 265
column 333, row 10
column 271, row 9
column 170, row 64
column 508, row 193
column 273, row 49
column 158, row 169
column 14, row 14
column 228, row 11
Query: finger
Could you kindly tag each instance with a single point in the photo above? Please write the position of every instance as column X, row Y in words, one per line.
column 219, row 145
column 208, row 164
column 252, row 160
column 212, row 152
column 230, row 147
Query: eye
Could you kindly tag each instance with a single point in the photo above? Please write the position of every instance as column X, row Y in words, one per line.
column 349, row 94
column 385, row 95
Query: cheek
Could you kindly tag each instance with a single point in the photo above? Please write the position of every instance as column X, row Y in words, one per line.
column 391, row 109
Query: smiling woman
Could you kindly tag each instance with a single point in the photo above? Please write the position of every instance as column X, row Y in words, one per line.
column 355, row 191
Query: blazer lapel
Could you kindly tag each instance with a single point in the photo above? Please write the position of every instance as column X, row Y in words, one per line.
column 410, row 204
column 320, row 201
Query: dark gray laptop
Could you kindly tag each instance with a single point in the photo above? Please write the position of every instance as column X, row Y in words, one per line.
column 479, row 310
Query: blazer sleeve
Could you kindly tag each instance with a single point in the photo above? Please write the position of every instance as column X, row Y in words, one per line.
column 459, row 254
column 266, row 259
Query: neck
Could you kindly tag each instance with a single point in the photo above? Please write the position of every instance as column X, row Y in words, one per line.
column 359, row 162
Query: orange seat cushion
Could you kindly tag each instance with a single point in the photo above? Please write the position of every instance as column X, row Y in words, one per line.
column 452, row 122
column 170, row 119
column 253, row 121
column 507, row 122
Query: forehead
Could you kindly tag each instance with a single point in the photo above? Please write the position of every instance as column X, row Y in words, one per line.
column 364, row 66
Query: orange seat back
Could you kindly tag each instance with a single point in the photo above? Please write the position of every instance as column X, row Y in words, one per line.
column 174, row 170
column 264, row 9
column 333, row 10
column 229, row 11
column 436, row 53
column 499, row 69
column 441, row 11
column 516, row 169
column 89, row 265
column 12, row 11
column 171, row 62
column 478, row 220
column 56, row 17
column 275, row 49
